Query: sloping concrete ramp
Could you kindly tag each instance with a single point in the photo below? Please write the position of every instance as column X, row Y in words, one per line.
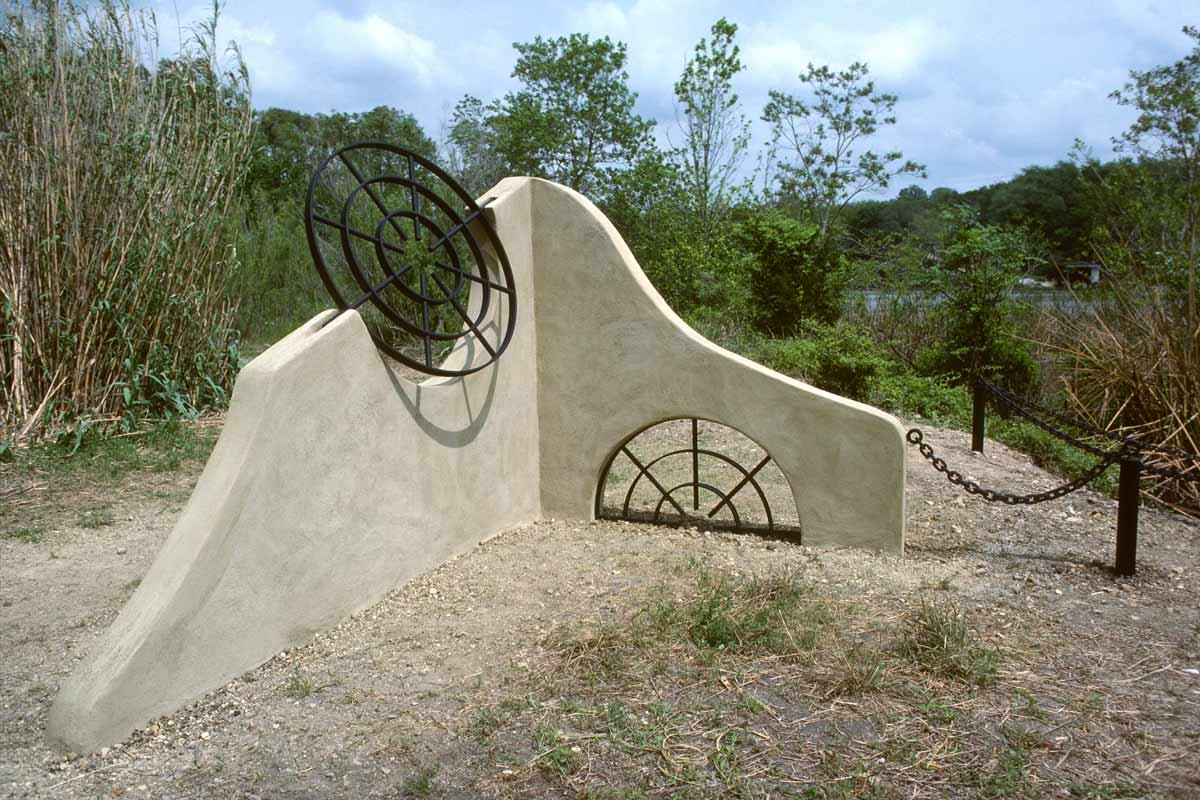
column 335, row 480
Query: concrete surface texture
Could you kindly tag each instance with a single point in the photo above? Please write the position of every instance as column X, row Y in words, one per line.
column 335, row 480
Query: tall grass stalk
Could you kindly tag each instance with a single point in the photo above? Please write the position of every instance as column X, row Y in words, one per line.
column 116, row 174
column 1131, row 363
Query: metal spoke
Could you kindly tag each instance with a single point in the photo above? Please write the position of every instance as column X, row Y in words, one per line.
column 465, row 317
column 741, row 485
column 473, row 277
column 379, row 287
column 653, row 480
column 433, row 201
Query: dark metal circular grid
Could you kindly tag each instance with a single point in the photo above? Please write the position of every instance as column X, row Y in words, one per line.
column 691, row 500
column 402, row 243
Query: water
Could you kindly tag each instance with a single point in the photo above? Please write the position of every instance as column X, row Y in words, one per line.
column 1054, row 298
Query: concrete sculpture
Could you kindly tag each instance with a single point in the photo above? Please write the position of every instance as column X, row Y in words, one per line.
column 336, row 480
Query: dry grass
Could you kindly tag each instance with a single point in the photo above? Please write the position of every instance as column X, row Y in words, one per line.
column 836, row 701
column 1131, row 364
column 116, row 177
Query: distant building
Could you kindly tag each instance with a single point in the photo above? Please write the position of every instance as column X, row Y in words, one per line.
column 1084, row 272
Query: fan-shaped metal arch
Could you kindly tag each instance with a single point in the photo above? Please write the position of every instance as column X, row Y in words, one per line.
column 674, row 478
column 390, row 230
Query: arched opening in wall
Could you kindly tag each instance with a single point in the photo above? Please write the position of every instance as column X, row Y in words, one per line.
column 692, row 472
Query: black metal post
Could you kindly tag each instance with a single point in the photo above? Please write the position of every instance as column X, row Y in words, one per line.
column 977, row 410
column 1128, row 499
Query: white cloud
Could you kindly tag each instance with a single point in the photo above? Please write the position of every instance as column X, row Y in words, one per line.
column 603, row 18
column 775, row 54
column 374, row 41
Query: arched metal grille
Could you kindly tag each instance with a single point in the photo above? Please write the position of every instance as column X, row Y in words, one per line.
column 393, row 235
column 696, row 473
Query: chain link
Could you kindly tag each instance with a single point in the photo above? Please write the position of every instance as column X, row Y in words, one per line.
column 1027, row 410
column 1170, row 472
column 915, row 436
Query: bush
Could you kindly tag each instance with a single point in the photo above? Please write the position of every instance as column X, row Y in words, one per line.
column 276, row 285
column 840, row 358
column 975, row 270
column 115, row 181
column 797, row 275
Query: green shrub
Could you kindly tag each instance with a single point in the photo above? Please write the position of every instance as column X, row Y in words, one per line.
column 276, row 287
column 797, row 273
column 974, row 271
column 840, row 358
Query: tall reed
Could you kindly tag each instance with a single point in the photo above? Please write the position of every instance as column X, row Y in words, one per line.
column 116, row 174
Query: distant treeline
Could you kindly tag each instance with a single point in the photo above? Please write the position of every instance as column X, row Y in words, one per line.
column 1058, row 206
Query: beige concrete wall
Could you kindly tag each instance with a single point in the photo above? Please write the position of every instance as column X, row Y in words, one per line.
column 614, row 358
column 334, row 480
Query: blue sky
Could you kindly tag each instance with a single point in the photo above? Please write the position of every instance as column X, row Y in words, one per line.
column 985, row 88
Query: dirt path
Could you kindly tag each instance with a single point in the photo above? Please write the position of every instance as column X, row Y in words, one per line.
column 454, row 686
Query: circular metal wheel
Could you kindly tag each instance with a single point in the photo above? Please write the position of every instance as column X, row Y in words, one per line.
column 394, row 236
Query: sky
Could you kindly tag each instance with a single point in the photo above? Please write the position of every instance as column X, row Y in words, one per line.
column 985, row 88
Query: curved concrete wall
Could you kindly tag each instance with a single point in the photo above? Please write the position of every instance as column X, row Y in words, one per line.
column 334, row 480
column 614, row 358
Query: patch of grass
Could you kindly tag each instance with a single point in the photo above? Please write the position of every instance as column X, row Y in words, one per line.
column 864, row 670
column 164, row 447
column 420, row 783
column 485, row 723
column 554, row 753
column 133, row 584
column 1107, row 791
column 298, row 686
column 940, row 640
column 96, row 518
column 1008, row 773
column 31, row 534
column 773, row 615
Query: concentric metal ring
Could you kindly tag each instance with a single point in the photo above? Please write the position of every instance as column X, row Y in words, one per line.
column 393, row 234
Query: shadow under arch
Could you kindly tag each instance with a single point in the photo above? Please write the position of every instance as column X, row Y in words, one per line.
column 663, row 469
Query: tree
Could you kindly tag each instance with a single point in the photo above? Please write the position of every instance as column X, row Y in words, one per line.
column 288, row 145
column 1050, row 202
column 823, row 167
column 797, row 275
column 716, row 135
column 975, row 267
column 1167, row 132
column 574, row 114
column 471, row 147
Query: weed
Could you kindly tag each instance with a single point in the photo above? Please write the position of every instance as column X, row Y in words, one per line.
column 863, row 670
column 96, row 518
column 1007, row 776
column 485, row 724
column 555, row 754
column 420, row 783
column 32, row 534
column 133, row 584
column 749, row 704
column 939, row 639
column 595, row 654
column 1026, row 702
column 1108, row 791
column 298, row 686
column 774, row 615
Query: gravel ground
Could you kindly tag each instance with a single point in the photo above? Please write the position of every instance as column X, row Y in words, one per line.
column 363, row 708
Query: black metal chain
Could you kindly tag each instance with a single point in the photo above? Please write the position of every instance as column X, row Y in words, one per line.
column 1170, row 472
column 915, row 436
column 1023, row 410
column 1027, row 410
